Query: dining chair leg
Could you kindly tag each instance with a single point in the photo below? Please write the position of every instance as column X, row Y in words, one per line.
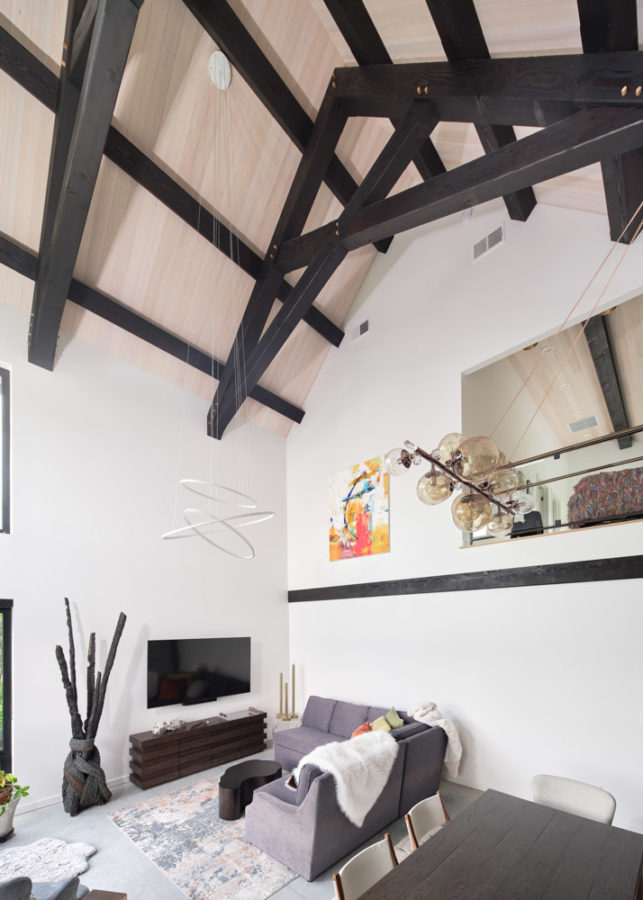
column 339, row 891
column 387, row 838
column 447, row 818
column 411, row 831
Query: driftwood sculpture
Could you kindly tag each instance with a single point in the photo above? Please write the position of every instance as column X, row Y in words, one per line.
column 84, row 782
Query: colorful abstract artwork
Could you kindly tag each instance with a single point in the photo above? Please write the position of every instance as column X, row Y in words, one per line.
column 359, row 511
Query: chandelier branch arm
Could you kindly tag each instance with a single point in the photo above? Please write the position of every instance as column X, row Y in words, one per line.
column 456, row 477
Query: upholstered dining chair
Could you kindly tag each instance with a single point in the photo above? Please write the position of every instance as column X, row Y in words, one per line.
column 364, row 869
column 574, row 797
column 424, row 819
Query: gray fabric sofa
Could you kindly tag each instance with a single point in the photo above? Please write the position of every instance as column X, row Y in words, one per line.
column 304, row 828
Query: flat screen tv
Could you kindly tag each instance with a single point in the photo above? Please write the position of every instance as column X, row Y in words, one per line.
column 196, row 670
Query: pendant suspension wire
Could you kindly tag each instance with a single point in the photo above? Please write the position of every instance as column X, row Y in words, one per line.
column 204, row 522
column 584, row 326
column 568, row 317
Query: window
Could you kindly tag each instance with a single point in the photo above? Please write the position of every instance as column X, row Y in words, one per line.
column 5, row 451
column 5, row 684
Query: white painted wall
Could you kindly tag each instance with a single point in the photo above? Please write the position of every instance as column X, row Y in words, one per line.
column 539, row 679
column 98, row 447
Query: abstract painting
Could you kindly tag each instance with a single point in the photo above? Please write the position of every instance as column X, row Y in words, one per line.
column 359, row 511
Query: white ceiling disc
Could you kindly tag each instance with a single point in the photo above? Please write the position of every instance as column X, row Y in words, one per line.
column 220, row 71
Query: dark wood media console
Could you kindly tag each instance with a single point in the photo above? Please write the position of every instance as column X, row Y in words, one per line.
column 155, row 759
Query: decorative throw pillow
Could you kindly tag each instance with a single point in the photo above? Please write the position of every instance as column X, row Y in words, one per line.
column 380, row 724
column 361, row 730
column 393, row 719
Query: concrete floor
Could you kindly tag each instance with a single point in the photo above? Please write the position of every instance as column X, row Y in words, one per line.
column 120, row 866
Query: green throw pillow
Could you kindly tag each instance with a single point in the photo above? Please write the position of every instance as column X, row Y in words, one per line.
column 380, row 724
column 393, row 719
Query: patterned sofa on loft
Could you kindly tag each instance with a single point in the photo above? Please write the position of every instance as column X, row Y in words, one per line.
column 606, row 497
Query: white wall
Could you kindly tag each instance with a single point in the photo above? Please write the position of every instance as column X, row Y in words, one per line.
column 540, row 678
column 98, row 447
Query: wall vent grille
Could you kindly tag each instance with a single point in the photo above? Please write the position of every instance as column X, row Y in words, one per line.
column 359, row 331
column 582, row 424
column 494, row 239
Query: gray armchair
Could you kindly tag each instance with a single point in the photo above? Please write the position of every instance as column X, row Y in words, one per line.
column 21, row 888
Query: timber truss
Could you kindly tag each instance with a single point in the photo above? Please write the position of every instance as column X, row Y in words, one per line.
column 588, row 107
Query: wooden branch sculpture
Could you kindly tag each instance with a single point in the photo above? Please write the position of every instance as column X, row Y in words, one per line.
column 84, row 783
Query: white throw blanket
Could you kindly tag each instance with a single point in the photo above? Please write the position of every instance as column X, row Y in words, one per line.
column 360, row 767
column 429, row 714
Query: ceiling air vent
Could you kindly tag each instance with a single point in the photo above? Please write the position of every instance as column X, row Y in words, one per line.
column 487, row 243
column 359, row 331
column 582, row 424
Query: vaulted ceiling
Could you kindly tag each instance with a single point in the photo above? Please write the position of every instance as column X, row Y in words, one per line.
column 149, row 213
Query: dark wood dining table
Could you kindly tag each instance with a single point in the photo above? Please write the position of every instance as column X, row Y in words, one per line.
column 506, row 848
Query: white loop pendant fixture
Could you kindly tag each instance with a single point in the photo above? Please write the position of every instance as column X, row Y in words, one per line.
column 202, row 523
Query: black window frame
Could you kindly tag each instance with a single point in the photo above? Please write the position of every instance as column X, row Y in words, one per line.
column 5, row 393
column 6, row 608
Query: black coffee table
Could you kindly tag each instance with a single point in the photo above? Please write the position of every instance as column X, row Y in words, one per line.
column 238, row 782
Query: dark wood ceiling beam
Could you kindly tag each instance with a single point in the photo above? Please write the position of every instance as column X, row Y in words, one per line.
column 81, row 42
column 385, row 171
column 316, row 276
column 313, row 165
column 226, row 30
column 28, row 70
column 600, row 347
column 80, row 131
column 583, row 139
column 535, row 91
column 366, row 45
column 578, row 141
column 35, row 77
column 301, row 196
column 607, row 26
column 297, row 252
column 462, row 38
column 150, row 176
column 22, row 260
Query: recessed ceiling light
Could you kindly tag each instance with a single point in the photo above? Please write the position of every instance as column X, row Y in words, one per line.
column 547, row 349
column 563, row 385
column 578, row 413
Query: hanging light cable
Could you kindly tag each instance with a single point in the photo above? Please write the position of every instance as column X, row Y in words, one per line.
column 206, row 522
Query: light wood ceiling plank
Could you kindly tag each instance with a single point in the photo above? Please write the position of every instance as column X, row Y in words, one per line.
column 159, row 266
column 625, row 325
column 26, row 128
column 42, row 22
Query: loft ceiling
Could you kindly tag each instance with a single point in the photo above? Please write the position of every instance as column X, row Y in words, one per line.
column 218, row 239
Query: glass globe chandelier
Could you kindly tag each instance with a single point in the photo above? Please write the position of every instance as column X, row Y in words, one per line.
column 476, row 469
column 487, row 487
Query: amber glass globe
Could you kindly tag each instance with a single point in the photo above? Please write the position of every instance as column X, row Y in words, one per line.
column 480, row 458
column 470, row 511
column 434, row 487
column 393, row 462
column 500, row 524
column 449, row 444
column 503, row 481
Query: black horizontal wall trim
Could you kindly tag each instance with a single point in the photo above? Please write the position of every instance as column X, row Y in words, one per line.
column 613, row 569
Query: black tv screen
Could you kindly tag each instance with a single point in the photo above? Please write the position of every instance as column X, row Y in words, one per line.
column 196, row 670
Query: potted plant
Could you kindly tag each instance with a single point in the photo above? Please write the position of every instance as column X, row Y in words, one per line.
column 10, row 794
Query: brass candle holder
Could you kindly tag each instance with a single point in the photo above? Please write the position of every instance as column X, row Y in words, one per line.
column 283, row 713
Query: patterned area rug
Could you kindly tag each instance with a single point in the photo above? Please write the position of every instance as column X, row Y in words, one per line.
column 206, row 857
column 48, row 859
